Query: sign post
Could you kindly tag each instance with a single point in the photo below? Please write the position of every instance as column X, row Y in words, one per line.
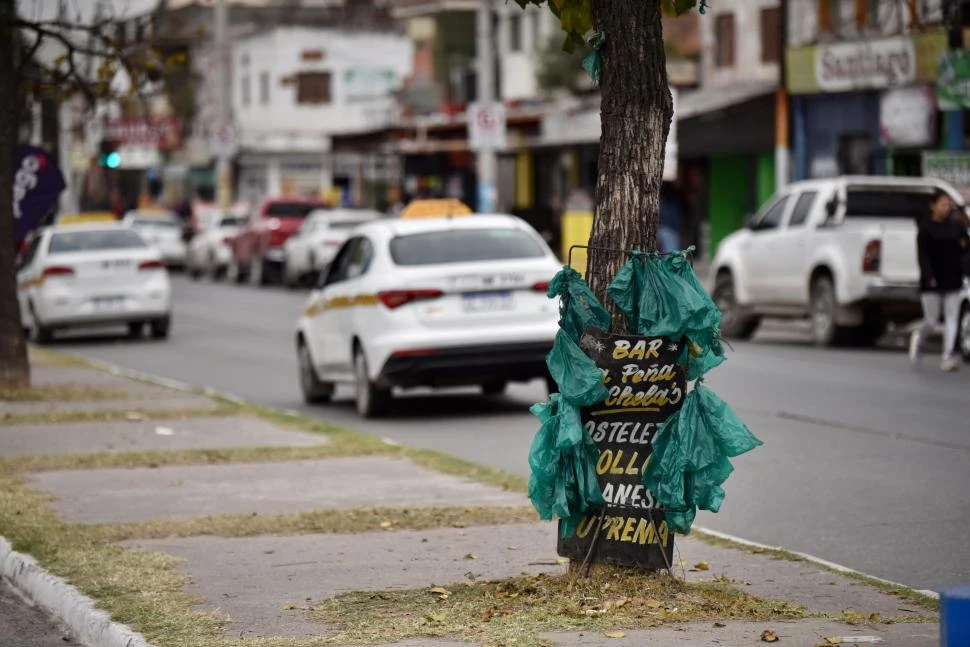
column 646, row 385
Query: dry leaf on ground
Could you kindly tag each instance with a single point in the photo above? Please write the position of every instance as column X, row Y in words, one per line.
column 615, row 634
column 386, row 524
column 769, row 636
column 719, row 625
column 653, row 604
column 702, row 566
column 471, row 556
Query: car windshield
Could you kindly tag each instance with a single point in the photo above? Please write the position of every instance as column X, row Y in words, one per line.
column 887, row 203
column 464, row 245
column 95, row 240
column 233, row 221
column 292, row 209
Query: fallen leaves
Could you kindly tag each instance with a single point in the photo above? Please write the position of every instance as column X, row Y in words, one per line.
column 653, row 604
column 615, row 634
column 769, row 636
column 441, row 592
column 471, row 556
column 386, row 524
column 719, row 625
column 702, row 566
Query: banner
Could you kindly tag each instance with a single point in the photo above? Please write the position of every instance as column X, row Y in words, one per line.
column 953, row 84
column 37, row 183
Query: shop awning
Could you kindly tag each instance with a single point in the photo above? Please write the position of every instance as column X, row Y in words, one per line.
column 699, row 102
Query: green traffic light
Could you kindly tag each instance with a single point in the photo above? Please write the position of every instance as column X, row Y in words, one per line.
column 113, row 160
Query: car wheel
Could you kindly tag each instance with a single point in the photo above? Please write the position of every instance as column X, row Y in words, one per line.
column 824, row 306
column 963, row 336
column 161, row 327
column 371, row 400
column 734, row 324
column 235, row 273
column 42, row 334
column 314, row 391
column 495, row 387
column 135, row 329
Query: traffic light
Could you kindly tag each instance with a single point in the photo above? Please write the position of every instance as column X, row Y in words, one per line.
column 109, row 157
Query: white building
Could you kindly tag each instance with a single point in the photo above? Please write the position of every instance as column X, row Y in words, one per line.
column 295, row 87
column 741, row 43
column 521, row 36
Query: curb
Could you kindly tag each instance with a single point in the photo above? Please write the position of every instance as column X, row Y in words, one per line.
column 87, row 624
column 832, row 566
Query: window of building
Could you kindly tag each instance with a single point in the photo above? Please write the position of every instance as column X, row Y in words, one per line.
column 724, row 40
column 515, row 31
column 246, row 98
column 771, row 35
column 264, row 88
column 313, row 87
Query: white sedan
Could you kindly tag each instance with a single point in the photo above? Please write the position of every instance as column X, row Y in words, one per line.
column 431, row 302
column 92, row 275
column 311, row 249
column 209, row 251
column 163, row 230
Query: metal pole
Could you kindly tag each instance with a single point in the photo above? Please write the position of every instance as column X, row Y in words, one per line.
column 224, row 171
column 487, row 164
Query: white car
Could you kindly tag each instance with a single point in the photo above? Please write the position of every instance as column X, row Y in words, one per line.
column 91, row 275
column 312, row 248
column 431, row 302
column 162, row 229
column 840, row 252
column 209, row 251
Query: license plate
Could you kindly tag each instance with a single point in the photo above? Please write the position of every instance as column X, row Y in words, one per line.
column 487, row 302
column 108, row 303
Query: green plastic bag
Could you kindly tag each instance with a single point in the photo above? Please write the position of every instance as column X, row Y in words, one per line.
column 690, row 457
column 579, row 379
column 578, row 306
column 563, row 460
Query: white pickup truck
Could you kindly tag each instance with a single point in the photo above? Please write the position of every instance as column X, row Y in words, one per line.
column 839, row 251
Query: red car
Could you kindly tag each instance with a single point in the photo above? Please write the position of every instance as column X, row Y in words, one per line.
column 257, row 248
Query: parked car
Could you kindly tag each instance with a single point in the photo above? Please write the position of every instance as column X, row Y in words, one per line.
column 162, row 229
column 311, row 249
column 429, row 303
column 209, row 251
column 257, row 249
column 841, row 252
column 83, row 275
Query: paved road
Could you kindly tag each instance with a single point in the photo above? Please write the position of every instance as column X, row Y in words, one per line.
column 866, row 460
column 22, row 625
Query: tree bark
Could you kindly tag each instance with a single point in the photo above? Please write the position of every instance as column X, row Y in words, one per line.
column 636, row 109
column 14, row 369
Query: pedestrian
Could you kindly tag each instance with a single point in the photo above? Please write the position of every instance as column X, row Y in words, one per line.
column 942, row 244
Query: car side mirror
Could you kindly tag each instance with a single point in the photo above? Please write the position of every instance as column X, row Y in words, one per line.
column 831, row 209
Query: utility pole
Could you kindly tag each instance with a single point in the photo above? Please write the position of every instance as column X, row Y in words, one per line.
column 487, row 163
column 224, row 172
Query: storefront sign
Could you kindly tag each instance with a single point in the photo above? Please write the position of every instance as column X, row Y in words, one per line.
column 37, row 183
column 362, row 84
column 953, row 84
column 161, row 133
column 646, row 385
column 907, row 117
column 860, row 65
column 950, row 166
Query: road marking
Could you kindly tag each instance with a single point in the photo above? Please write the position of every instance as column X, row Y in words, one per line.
column 813, row 559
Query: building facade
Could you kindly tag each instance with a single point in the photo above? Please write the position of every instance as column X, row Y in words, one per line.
column 294, row 88
column 862, row 77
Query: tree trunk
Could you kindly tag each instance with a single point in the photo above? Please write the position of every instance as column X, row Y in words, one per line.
column 636, row 108
column 14, row 369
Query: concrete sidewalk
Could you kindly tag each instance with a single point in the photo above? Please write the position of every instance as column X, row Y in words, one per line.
column 247, row 525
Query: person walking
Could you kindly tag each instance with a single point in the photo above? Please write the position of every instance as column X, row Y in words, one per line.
column 941, row 246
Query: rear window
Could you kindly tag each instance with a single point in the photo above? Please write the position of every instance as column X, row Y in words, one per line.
column 880, row 203
column 464, row 245
column 233, row 222
column 160, row 223
column 93, row 241
column 292, row 209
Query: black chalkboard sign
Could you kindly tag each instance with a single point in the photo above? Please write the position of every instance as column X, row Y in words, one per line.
column 646, row 385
